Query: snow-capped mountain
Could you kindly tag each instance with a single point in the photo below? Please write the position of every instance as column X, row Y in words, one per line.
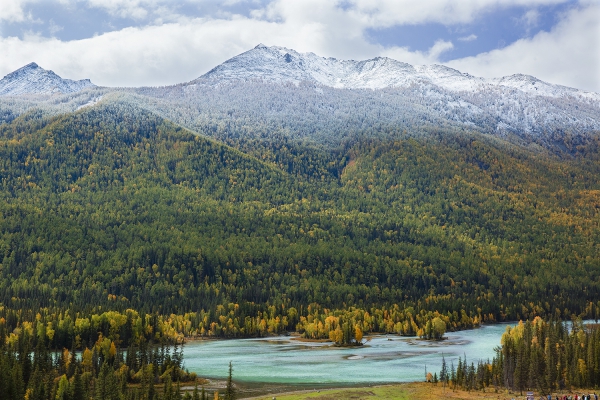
column 273, row 91
column 401, row 95
column 279, row 64
column 32, row 79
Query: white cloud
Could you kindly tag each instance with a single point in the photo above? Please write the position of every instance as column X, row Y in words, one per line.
column 469, row 38
column 12, row 11
column 569, row 54
column 53, row 27
column 153, row 55
column 447, row 12
column 418, row 57
column 531, row 18
column 183, row 50
column 440, row 47
column 136, row 9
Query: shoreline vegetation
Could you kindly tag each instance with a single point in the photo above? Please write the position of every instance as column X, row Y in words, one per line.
column 544, row 356
column 78, row 331
column 406, row 391
column 534, row 355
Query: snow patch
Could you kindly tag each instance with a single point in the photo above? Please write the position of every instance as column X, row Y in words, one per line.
column 89, row 103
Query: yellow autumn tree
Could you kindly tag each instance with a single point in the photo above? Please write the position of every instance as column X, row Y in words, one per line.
column 112, row 352
column 86, row 360
column 358, row 334
column 336, row 335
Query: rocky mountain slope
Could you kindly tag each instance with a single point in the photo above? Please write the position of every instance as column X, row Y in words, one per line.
column 33, row 79
column 279, row 64
column 385, row 92
column 272, row 91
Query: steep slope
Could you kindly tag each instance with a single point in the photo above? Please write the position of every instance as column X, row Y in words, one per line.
column 280, row 64
column 314, row 97
column 274, row 92
column 113, row 206
column 32, row 79
column 250, row 109
column 105, row 145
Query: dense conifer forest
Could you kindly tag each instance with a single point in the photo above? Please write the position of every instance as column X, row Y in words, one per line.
column 103, row 371
column 119, row 228
column 547, row 357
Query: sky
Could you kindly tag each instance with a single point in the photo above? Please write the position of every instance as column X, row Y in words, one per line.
column 165, row 42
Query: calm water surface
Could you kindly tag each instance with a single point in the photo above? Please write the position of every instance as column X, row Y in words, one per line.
column 383, row 359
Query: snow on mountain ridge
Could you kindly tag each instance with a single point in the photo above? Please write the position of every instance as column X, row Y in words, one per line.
column 33, row 79
column 265, row 83
column 532, row 85
column 518, row 104
column 280, row 64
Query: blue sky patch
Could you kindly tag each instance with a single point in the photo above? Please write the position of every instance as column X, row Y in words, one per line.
column 488, row 32
column 81, row 21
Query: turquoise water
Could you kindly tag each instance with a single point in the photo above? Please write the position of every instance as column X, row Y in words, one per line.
column 382, row 359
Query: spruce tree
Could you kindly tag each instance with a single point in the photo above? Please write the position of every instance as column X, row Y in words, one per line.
column 444, row 372
column 78, row 390
column 229, row 390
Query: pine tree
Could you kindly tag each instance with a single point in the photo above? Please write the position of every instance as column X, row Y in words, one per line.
column 78, row 390
column 62, row 392
column 444, row 372
column 460, row 374
column 229, row 390
column 101, row 382
column 168, row 390
column 453, row 374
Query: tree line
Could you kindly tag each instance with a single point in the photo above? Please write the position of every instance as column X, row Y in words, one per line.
column 545, row 356
column 29, row 369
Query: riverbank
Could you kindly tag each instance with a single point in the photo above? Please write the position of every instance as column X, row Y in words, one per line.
column 401, row 391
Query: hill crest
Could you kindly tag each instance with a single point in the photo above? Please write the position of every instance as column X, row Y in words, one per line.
column 33, row 79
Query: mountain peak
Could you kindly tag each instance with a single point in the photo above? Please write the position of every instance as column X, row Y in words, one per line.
column 276, row 64
column 33, row 79
column 283, row 65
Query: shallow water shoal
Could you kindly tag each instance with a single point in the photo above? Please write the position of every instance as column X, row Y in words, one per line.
column 383, row 359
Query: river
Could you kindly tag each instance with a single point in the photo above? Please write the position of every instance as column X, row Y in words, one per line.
column 383, row 359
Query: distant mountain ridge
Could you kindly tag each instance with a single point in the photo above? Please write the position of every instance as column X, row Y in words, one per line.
column 268, row 92
column 326, row 98
column 280, row 64
column 33, row 79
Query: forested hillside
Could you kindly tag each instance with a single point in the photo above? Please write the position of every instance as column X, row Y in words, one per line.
column 535, row 355
column 310, row 112
column 113, row 208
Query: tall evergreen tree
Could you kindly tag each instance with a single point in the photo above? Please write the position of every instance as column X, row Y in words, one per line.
column 230, row 389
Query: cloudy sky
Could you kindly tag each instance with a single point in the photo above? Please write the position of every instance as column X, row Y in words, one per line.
column 162, row 42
